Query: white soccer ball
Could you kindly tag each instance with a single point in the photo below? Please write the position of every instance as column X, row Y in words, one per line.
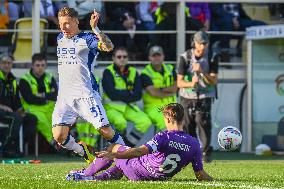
column 230, row 138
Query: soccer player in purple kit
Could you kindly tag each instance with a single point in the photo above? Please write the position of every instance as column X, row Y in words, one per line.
column 159, row 159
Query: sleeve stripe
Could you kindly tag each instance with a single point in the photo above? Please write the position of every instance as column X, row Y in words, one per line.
column 152, row 146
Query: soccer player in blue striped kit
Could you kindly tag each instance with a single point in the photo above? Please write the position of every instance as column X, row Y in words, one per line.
column 159, row 159
column 78, row 94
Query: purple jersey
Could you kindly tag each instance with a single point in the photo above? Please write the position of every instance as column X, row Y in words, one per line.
column 170, row 151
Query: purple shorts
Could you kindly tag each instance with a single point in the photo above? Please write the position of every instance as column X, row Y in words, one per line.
column 129, row 166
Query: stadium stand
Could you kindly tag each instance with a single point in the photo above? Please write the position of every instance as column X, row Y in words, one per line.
column 22, row 41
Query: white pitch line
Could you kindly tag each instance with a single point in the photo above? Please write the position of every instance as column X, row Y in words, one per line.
column 213, row 184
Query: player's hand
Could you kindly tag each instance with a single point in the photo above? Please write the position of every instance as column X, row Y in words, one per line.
column 94, row 19
column 105, row 154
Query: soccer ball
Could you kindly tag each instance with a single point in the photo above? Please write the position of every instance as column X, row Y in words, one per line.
column 230, row 138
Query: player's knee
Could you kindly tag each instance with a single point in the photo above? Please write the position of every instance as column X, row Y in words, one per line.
column 59, row 137
column 107, row 132
column 59, row 134
column 113, row 147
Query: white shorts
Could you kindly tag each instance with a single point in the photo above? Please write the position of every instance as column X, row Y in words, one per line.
column 90, row 109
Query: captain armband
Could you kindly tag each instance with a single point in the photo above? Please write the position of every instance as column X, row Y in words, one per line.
column 100, row 45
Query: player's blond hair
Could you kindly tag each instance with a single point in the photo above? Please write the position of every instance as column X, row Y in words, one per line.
column 67, row 11
column 174, row 111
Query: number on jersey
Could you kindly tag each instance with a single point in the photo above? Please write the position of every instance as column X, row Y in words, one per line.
column 170, row 163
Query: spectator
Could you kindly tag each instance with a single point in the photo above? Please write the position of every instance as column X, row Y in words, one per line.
column 229, row 17
column 9, row 13
column 165, row 18
column 11, row 111
column 115, row 9
column 14, row 13
column 136, row 43
column 85, row 8
column 48, row 11
column 122, row 17
column 200, row 12
column 39, row 91
column 159, row 82
column 199, row 18
column 4, row 16
column 4, row 19
column 197, row 79
column 122, row 89
column 145, row 16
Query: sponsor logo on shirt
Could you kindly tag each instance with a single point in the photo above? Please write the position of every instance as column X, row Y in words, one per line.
column 150, row 169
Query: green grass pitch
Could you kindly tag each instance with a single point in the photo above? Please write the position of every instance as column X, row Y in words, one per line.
column 230, row 170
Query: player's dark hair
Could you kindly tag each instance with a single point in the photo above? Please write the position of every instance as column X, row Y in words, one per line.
column 174, row 111
column 67, row 11
column 38, row 57
column 119, row 49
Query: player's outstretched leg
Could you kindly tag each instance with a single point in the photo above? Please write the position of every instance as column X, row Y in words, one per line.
column 62, row 136
column 97, row 165
column 100, row 164
column 113, row 173
column 89, row 158
column 111, row 135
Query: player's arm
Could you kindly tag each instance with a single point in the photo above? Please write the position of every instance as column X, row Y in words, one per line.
column 127, row 154
column 202, row 175
column 105, row 43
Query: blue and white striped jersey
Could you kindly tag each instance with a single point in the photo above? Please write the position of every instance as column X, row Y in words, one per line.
column 76, row 58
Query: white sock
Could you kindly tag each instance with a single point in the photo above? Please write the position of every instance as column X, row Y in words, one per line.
column 70, row 144
column 117, row 139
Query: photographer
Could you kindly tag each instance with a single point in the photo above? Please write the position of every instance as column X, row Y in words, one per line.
column 197, row 79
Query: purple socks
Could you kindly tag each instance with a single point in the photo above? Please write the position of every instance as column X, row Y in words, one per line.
column 113, row 173
column 97, row 165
